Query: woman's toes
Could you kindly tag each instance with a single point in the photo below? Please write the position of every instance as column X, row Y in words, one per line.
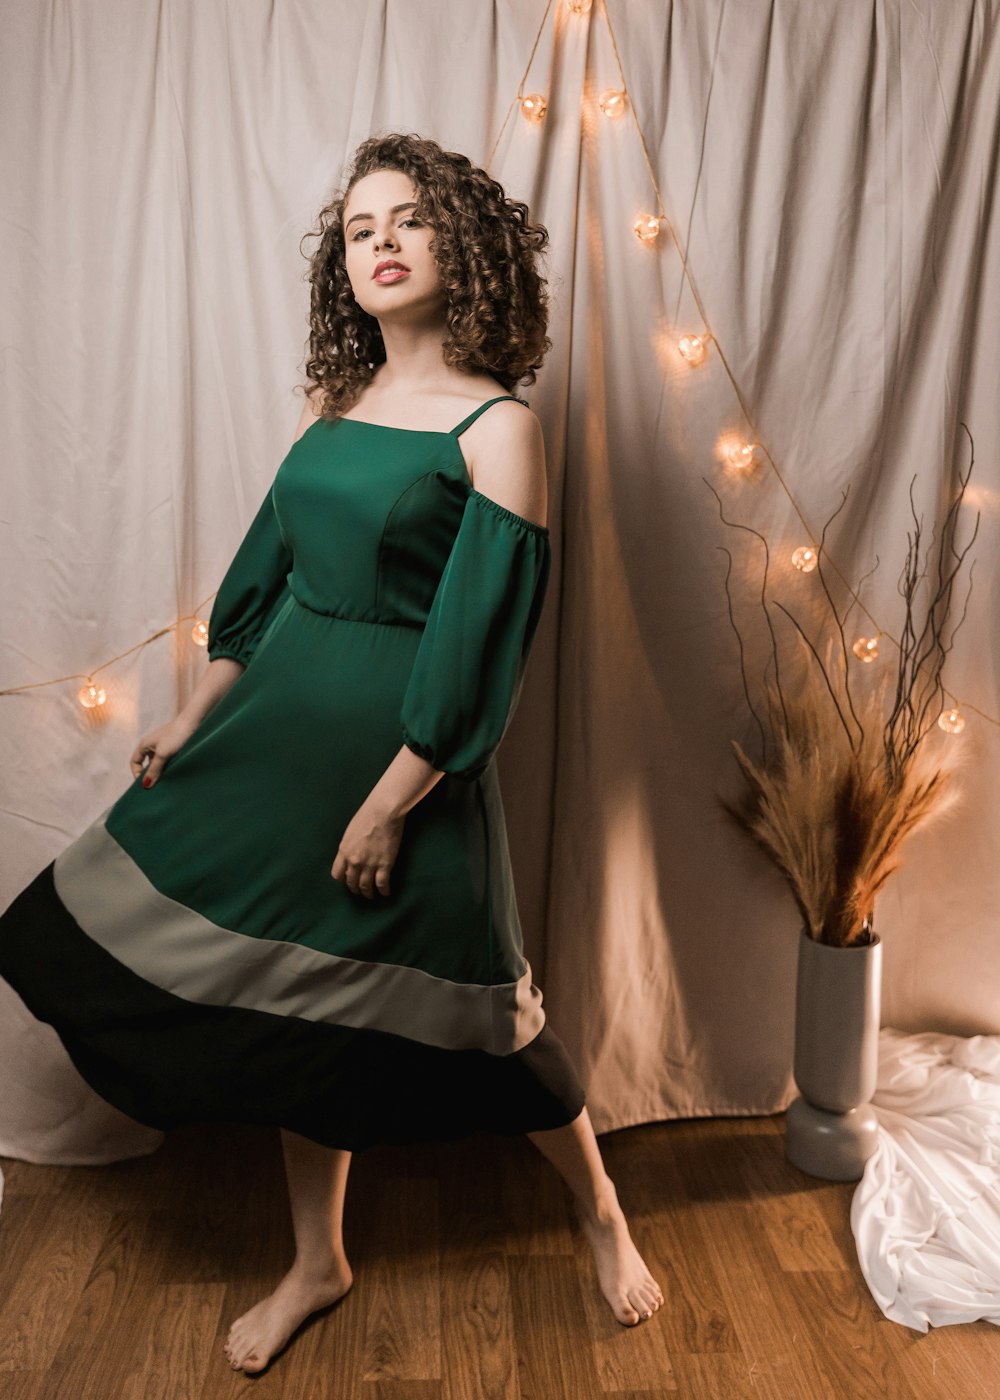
column 645, row 1303
column 626, row 1312
column 234, row 1353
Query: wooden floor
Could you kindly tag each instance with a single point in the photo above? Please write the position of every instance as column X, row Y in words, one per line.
column 472, row 1279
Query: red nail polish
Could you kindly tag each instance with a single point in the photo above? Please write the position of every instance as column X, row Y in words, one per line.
column 147, row 782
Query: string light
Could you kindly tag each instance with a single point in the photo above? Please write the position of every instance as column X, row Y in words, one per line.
column 740, row 455
column 91, row 695
column 612, row 103
column 534, row 107
column 647, row 228
column 951, row 721
column 694, row 348
column 866, row 648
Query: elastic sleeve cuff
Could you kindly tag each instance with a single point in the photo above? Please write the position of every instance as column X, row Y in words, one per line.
column 220, row 649
column 425, row 751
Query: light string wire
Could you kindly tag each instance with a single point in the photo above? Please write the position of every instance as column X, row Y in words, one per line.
column 758, row 442
column 519, row 95
column 79, row 675
column 710, row 334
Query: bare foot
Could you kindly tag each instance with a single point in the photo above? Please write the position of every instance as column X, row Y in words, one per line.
column 625, row 1281
column 258, row 1334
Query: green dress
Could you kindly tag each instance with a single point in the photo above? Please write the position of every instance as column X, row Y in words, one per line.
column 192, row 948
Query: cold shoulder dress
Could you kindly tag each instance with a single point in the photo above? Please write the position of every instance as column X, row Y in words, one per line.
column 192, row 948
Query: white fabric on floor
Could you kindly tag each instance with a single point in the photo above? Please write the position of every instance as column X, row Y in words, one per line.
column 926, row 1212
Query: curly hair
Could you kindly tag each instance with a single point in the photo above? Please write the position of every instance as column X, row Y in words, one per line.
column 496, row 306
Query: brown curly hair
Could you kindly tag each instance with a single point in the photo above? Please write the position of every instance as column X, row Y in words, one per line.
column 496, row 302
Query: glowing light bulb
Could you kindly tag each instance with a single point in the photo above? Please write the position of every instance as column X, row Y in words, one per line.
column 647, row 228
column 951, row 721
column 612, row 102
column 534, row 107
column 91, row 695
column 578, row 7
column 804, row 558
column 866, row 648
column 199, row 634
column 740, row 454
column 693, row 347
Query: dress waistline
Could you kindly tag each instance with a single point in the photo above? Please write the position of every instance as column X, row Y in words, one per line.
column 361, row 621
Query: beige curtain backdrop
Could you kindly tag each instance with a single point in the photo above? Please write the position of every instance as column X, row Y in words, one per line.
column 831, row 172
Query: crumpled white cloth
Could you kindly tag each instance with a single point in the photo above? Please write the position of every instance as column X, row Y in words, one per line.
column 926, row 1213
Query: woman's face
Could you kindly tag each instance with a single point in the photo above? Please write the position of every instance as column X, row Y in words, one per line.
column 377, row 231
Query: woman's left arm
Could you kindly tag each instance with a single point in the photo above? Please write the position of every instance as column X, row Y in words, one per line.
column 467, row 674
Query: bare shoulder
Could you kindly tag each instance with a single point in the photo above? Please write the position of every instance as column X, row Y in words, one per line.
column 505, row 452
column 310, row 410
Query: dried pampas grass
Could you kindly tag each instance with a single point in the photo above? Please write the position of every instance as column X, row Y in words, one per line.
column 843, row 780
column 833, row 819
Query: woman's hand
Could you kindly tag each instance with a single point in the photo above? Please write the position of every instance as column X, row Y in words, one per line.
column 367, row 850
column 161, row 745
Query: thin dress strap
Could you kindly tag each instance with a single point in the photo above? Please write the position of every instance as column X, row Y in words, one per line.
column 477, row 411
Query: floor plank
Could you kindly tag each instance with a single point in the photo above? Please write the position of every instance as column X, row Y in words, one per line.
column 473, row 1277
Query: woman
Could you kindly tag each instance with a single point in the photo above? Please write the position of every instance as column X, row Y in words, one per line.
column 212, row 962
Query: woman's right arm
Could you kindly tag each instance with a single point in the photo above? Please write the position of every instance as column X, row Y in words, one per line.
column 222, row 675
column 155, row 750
column 223, row 670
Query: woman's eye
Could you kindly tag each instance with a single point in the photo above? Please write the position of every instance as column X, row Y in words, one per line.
column 410, row 220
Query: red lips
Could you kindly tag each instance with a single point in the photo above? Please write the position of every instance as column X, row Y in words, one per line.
column 389, row 262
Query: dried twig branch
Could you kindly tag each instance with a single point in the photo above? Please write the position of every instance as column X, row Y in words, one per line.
column 832, row 814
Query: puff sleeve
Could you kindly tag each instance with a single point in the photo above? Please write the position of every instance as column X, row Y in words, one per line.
column 253, row 589
column 467, row 674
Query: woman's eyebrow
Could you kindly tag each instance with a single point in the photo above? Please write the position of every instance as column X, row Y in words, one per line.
column 394, row 210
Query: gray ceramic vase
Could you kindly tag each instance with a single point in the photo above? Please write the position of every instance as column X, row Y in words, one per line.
column 832, row 1129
